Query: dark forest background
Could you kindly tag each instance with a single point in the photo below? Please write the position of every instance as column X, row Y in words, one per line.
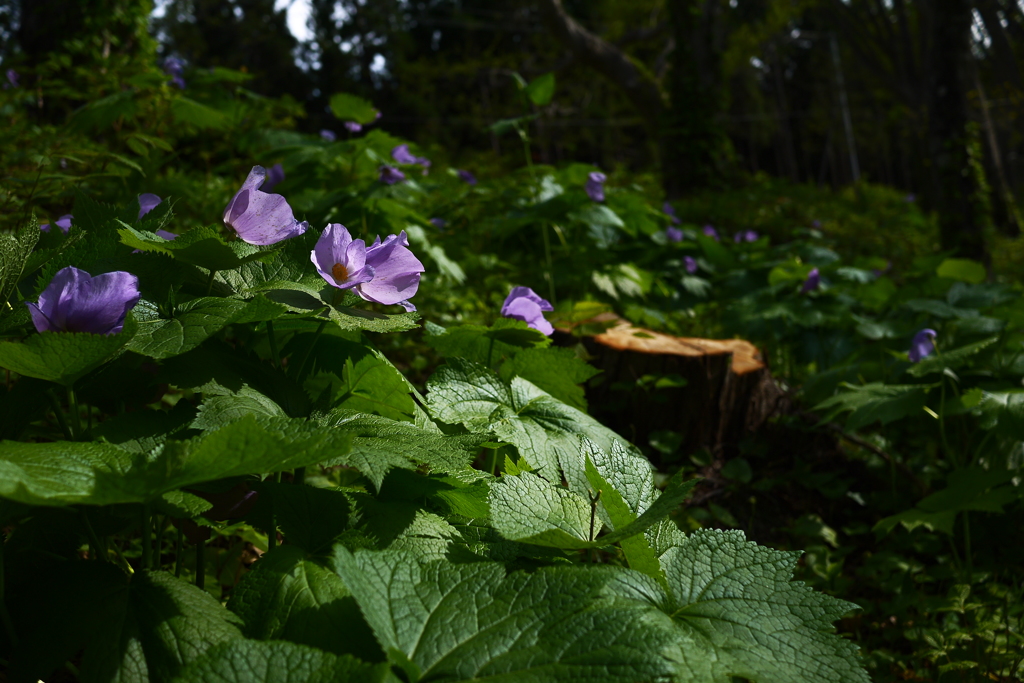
column 922, row 95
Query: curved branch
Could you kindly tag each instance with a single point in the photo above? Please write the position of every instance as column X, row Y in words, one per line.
column 611, row 62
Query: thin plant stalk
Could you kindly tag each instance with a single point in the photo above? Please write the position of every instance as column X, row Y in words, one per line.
column 59, row 414
column 147, row 542
column 76, row 418
column 275, row 352
column 99, row 549
column 301, row 369
column 201, row 564
column 179, row 542
column 209, row 282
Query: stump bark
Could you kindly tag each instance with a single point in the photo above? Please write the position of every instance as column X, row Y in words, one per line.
column 728, row 391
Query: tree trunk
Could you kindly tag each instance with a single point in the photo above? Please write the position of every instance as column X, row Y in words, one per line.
column 956, row 190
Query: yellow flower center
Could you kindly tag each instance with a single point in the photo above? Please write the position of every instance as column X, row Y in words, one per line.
column 340, row 273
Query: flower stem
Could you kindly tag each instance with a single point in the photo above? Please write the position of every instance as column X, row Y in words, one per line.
column 178, row 557
column 76, row 418
column 299, row 477
column 549, row 273
column 147, row 542
column 99, row 549
column 275, row 352
column 201, row 565
column 209, row 282
column 301, row 369
column 59, row 414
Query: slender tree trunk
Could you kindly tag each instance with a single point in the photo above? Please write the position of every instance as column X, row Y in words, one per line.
column 956, row 185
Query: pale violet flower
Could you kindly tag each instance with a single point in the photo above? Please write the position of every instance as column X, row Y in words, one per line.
column 353, row 126
column 922, row 345
column 673, row 234
column 524, row 304
column 147, row 202
column 339, row 259
column 595, row 186
column 812, row 282
column 710, row 232
column 466, row 177
column 690, row 264
column 328, row 135
column 64, row 223
column 261, row 218
column 75, row 301
column 389, row 175
column 275, row 174
column 671, row 211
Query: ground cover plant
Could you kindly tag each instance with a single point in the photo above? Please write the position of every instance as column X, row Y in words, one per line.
column 286, row 406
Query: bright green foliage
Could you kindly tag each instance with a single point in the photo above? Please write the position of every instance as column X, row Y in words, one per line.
column 369, row 383
column 243, row 661
column 557, row 371
column 545, row 430
column 351, row 108
column 737, row 599
column 290, row 597
column 203, row 247
column 448, row 622
column 876, row 401
column 195, row 321
column 380, row 444
column 66, row 473
column 15, row 248
column 485, row 345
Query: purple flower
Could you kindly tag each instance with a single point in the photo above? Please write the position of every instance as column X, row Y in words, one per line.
column 174, row 68
column 402, row 155
column 12, row 79
column 389, row 175
column 396, row 272
column 64, row 223
column 75, row 301
column 147, row 202
column 339, row 259
column 690, row 264
column 745, row 236
column 522, row 303
column 275, row 174
column 812, row 281
column 328, row 135
column 377, row 115
column 710, row 232
column 467, row 177
column 353, row 126
column 815, row 223
column 910, row 198
column 921, row 346
column 438, row 222
column 595, row 189
column 261, row 218
column 674, row 234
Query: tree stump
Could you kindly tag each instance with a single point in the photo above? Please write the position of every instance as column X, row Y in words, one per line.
column 711, row 392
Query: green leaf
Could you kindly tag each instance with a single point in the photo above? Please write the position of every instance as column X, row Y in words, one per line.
column 545, row 430
column 217, row 411
column 380, row 444
column 66, row 473
column 736, row 599
column 485, row 345
column 347, row 318
column 351, row 108
column 442, row 621
column 541, row 89
column 195, row 321
column 15, row 248
column 954, row 359
column 311, row 518
column 370, row 383
column 963, row 270
column 201, row 116
column 529, row 509
column 202, row 246
column 246, row 661
column 876, row 401
column 287, row 596
column 970, row 488
column 64, row 357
